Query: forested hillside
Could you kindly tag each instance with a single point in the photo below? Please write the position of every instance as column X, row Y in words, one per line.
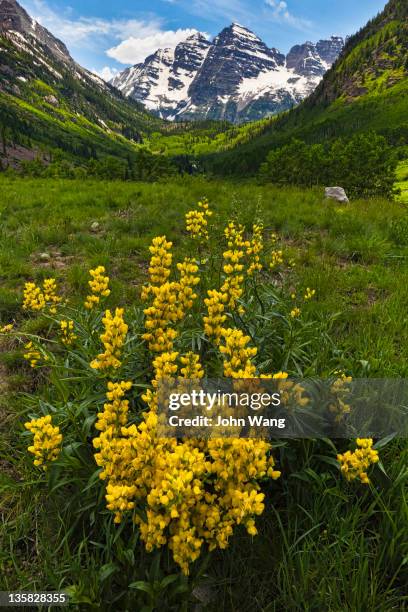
column 366, row 89
column 48, row 101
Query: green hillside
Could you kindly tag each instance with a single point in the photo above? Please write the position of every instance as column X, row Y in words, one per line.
column 47, row 104
column 366, row 89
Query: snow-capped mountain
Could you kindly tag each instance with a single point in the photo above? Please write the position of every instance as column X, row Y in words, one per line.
column 46, row 50
column 236, row 76
column 163, row 80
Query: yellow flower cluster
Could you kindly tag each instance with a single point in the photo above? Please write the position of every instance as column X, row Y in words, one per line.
column 169, row 303
column 47, row 441
column 193, row 493
column 355, row 464
column 164, row 366
column 115, row 412
column 213, row 321
column 309, row 294
column 112, row 454
column 38, row 299
column 255, row 249
column 113, row 340
column 67, row 332
column 240, row 253
column 159, row 316
column 232, row 289
column 341, row 391
column 197, row 220
column 234, row 233
column 188, row 280
column 237, row 354
column 191, row 366
column 276, row 259
column 295, row 312
column 50, row 294
column 233, row 268
column 160, row 262
column 33, row 297
column 6, row 329
column 99, row 285
column 33, row 355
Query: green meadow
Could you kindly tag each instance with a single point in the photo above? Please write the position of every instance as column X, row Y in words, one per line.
column 323, row 543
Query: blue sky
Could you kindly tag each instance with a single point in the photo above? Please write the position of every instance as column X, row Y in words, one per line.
column 107, row 36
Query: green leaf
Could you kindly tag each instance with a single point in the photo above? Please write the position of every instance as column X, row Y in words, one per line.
column 107, row 570
column 140, row 585
column 168, row 580
column 384, row 441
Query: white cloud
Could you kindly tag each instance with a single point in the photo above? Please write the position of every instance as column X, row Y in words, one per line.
column 136, row 48
column 106, row 73
column 90, row 31
column 280, row 12
column 136, row 39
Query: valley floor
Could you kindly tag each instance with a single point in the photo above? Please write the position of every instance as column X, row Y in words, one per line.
column 320, row 546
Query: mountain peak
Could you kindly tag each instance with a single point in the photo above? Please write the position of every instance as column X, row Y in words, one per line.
column 196, row 36
column 14, row 18
column 238, row 26
column 239, row 31
column 236, row 77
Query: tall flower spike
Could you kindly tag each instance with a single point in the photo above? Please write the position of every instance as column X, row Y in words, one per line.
column 113, row 340
column 237, row 354
column 47, row 441
column 99, row 285
column 197, row 220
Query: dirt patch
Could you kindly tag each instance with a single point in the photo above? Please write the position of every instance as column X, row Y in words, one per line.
column 54, row 261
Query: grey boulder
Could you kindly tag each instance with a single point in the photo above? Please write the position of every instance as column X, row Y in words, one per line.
column 336, row 193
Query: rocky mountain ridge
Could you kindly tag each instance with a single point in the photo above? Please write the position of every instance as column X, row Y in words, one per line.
column 235, row 77
column 47, row 100
column 16, row 21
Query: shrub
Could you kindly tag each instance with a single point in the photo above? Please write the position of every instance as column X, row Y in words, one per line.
column 364, row 165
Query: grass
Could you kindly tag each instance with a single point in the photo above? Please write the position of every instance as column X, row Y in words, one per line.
column 402, row 181
column 323, row 544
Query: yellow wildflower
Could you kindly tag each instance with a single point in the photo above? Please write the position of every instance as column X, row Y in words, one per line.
column 215, row 303
column 38, row 299
column 197, row 220
column 50, row 294
column 169, row 304
column 309, row 293
column 99, row 285
column 32, row 355
column 255, row 249
column 113, row 340
column 47, row 441
column 33, row 297
column 237, row 356
column 67, row 332
column 355, row 464
column 160, row 262
column 192, row 367
column 295, row 312
column 7, row 328
column 276, row 259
